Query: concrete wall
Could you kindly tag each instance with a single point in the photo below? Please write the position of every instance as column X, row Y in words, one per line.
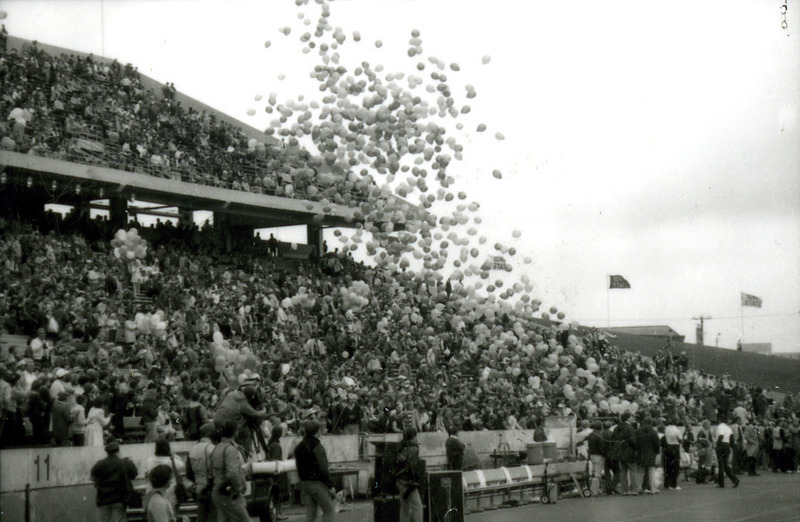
column 61, row 488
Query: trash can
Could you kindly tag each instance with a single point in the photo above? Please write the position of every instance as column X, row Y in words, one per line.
column 535, row 453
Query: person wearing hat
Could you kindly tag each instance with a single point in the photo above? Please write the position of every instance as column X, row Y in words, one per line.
column 112, row 479
column 58, row 385
column 407, row 477
column 198, row 470
column 312, row 469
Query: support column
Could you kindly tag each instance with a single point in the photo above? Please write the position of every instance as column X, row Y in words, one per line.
column 185, row 217
column 222, row 230
column 314, row 238
column 118, row 212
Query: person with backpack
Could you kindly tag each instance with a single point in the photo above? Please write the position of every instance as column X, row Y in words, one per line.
column 230, row 482
column 407, row 477
column 198, row 470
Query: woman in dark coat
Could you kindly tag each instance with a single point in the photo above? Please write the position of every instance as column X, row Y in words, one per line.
column 649, row 447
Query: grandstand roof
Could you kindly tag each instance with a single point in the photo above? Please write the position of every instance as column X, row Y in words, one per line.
column 655, row 330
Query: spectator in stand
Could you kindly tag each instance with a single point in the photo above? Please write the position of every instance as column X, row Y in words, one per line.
column 149, row 413
column 78, row 411
column 112, row 478
column 194, row 416
column 61, row 420
column 97, row 420
column 12, row 400
column 39, row 411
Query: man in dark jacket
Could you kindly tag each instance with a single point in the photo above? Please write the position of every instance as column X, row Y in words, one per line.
column 408, row 477
column 597, row 450
column 627, row 455
column 649, row 447
column 149, row 413
column 454, row 449
column 312, row 469
column 612, row 464
column 62, row 420
column 112, row 476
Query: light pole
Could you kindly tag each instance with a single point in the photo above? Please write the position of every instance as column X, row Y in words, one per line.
column 699, row 332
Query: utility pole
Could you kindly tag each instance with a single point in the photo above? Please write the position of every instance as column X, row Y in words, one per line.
column 699, row 330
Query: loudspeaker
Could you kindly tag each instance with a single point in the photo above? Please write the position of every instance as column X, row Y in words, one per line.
column 385, row 459
column 445, row 496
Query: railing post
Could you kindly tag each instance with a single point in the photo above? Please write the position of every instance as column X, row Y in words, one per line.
column 27, row 503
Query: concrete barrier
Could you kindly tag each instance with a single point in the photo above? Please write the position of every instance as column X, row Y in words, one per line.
column 61, row 486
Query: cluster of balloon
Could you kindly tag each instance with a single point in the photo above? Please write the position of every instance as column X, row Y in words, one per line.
column 356, row 296
column 21, row 118
column 302, row 299
column 151, row 324
column 385, row 147
column 232, row 362
column 129, row 245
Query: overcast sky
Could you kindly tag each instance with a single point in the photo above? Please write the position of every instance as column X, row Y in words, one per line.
column 657, row 140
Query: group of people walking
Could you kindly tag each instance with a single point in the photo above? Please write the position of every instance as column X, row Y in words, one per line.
column 634, row 458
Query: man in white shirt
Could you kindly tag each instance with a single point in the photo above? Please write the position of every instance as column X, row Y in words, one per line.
column 724, row 439
column 672, row 455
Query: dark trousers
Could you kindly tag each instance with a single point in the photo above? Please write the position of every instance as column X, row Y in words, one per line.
column 672, row 465
column 751, row 466
column 612, row 473
column 723, row 452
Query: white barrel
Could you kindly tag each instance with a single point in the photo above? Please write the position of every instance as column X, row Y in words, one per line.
column 272, row 467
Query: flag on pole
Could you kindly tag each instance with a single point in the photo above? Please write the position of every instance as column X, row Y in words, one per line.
column 751, row 300
column 617, row 281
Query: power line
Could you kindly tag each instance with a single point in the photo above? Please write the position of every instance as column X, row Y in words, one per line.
column 662, row 319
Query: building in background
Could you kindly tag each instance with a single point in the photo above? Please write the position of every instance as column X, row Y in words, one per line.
column 762, row 348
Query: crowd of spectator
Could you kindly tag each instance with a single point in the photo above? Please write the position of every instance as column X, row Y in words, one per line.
column 86, row 110
column 421, row 354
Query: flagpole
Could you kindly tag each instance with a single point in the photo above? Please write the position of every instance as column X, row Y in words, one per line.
column 608, row 300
